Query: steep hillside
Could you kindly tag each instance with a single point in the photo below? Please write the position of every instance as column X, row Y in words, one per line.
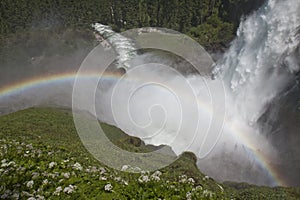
column 42, row 158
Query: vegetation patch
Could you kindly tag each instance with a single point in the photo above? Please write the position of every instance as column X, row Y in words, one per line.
column 43, row 158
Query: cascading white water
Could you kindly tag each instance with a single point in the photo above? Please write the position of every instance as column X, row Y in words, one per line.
column 263, row 57
column 260, row 64
column 257, row 67
column 122, row 45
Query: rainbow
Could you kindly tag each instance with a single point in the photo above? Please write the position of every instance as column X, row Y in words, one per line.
column 234, row 128
column 40, row 81
column 260, row 157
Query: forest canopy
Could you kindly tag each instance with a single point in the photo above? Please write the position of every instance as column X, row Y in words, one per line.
column 210, row 22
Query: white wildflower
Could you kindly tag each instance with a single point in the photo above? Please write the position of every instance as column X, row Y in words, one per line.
column 207, row 193
column 40, row 197
column 31, row 198
column 4, row 164
column 108, row 187
column 53, row 175
column 88, row 170
column 125, row 182
column 11, row 163
column 125, row 167
column 102, row 170
column 29, row 184
column 102, row 178
column 70, row 189
column 188, row 195
column 143, row 179
column 57, row 190
column 191, row 181
column 157, row 173
column 183, row 179
column 205, row 178
column 156, row 176
column 52, row 164
column 45, row 182
column 26, row 194
column 77, row 166
column 66, row 175
column 29, row 146
column 199, row 187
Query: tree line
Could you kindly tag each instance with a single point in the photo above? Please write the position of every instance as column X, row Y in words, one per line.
column 208, row 21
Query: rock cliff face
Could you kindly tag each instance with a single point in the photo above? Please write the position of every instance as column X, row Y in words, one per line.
column 281, row 123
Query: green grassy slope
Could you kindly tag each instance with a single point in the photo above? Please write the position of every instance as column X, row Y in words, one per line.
column 42, row 157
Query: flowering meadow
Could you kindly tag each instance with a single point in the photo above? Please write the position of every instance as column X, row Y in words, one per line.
column 41, row 157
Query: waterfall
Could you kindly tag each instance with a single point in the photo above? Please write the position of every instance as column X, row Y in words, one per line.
column 124, row 47
column 263, row 58
column 261, row 62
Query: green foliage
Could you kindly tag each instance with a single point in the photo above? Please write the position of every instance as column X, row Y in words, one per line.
column 180, row 15
column 214, row 31
column 42, row 157
column 41, row 145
